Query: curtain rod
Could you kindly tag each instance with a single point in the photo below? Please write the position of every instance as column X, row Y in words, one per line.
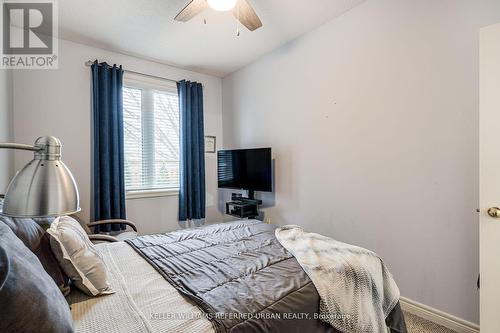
column 90, row 63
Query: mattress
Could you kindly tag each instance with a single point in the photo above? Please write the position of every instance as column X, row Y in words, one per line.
column 144, row 301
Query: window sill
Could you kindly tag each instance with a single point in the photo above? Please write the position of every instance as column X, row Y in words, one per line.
column 151, row 194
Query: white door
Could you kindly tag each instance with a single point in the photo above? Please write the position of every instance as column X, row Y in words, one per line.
column 489, row 133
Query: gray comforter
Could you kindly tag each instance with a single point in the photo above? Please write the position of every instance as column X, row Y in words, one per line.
column 241, row 276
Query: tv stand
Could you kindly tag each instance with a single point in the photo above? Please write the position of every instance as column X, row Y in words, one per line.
column 251, row 194
column 243, row 207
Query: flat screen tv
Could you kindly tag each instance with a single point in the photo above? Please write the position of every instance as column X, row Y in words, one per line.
column 245, row 169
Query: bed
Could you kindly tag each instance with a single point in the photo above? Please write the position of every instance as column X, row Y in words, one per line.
column 166, row 283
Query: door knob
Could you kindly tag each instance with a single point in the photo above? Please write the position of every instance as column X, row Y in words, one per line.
column 494, row 212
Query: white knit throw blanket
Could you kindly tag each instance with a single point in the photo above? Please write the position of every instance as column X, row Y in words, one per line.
column 356, row 290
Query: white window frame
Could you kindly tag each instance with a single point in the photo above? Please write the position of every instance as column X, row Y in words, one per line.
column 134, row 80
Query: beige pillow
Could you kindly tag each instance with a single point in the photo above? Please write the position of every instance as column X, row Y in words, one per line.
column 78, row 257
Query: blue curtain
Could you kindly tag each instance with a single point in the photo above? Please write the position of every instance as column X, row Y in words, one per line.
column 107, row 145
column 192, row 151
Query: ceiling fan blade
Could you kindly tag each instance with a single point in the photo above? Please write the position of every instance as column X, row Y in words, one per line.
column 247, row 15
column 191, row 10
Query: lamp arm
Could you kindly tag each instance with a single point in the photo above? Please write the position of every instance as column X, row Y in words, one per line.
column 6, row 145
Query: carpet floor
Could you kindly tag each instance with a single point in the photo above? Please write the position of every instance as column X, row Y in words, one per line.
column 416, row 324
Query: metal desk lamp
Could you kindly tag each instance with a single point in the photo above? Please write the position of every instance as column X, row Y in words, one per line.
column 44, row 187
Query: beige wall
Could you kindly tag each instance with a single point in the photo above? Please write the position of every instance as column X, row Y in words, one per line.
column 373, row 119
column 6, row 156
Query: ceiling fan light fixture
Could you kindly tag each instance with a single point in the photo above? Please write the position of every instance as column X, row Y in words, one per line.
column 222, row 5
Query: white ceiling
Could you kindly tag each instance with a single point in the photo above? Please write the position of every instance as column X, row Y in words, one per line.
column 146, row 28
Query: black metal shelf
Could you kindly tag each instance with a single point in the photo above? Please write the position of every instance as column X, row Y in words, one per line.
column 242, row 207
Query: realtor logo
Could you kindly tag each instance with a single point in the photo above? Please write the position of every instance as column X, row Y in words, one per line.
column 29, row 34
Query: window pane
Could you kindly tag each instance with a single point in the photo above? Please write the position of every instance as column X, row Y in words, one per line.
column 166, row 127
column 132, row 128
column 151, row 130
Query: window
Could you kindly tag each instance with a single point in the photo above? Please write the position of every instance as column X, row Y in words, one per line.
column 151, row 134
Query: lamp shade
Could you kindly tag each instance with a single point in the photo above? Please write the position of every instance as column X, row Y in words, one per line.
column 44, row 187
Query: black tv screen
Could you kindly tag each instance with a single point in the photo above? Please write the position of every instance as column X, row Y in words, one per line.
column 246, row 169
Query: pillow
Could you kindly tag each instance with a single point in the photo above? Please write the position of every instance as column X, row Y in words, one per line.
column 37, row 240
column 29, row 298
column 78, row 257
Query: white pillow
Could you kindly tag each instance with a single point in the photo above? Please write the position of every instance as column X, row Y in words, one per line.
column 78, row 257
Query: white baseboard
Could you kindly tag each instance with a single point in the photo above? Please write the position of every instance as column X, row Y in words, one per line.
column 439, row 317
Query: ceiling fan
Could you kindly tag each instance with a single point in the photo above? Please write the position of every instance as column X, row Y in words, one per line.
column 241, row 9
